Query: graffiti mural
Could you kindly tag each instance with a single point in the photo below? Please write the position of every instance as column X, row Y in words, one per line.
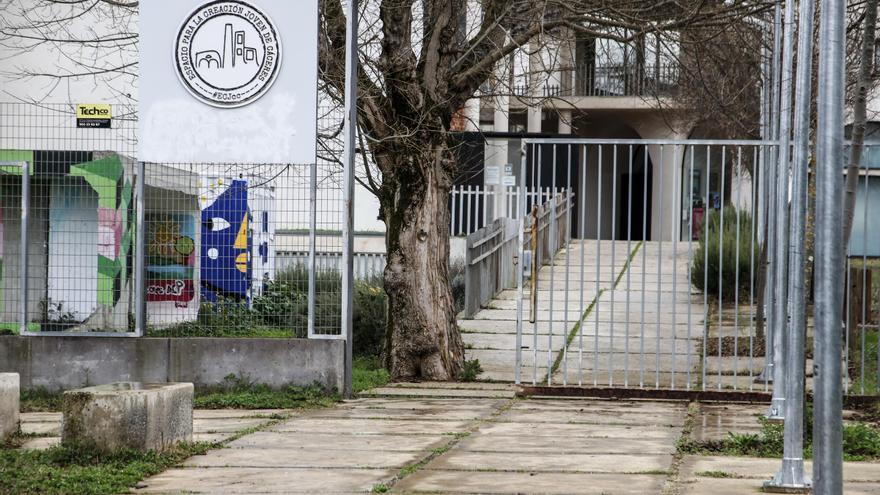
column 226, row 241
column 171, row 258
column 107, row 177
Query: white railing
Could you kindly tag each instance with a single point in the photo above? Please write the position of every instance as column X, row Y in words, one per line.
column 473, row 207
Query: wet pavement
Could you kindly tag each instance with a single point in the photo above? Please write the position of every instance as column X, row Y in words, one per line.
column 471, row 438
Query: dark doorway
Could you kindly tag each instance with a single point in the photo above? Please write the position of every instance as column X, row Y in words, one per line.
column 634, row 220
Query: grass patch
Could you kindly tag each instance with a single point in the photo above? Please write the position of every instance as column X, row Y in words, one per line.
column 861, row 442
column 234, row 393
column 238, row 393
column 715, row 474
column 367, row 373
column 864, row 375
column 39, row 400
column 69, row 471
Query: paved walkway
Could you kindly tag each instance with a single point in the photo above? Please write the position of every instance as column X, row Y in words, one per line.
column 471, row 438
column 643, row 328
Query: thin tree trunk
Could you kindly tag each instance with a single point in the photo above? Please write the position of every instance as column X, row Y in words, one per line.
column 860, row 117
column 423, row 340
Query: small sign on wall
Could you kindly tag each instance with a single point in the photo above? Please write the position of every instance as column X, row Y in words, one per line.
column 93, row 116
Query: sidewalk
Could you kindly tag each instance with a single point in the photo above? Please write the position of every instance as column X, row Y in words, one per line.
column 473, row 438
column 449, row 445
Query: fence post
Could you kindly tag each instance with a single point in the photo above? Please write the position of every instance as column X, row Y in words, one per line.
column 349, row 152
column 23, row 256
column 827, row 418
column 780, row 261
column 791, row 477
column 140, row 253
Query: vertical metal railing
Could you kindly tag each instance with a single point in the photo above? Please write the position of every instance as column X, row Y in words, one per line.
column 665, row 239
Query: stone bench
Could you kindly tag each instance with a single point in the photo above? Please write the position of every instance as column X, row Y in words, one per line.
column 9, row 397
column 128, row 416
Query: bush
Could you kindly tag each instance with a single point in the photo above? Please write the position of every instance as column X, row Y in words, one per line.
column 370, row 317
column 722, row 254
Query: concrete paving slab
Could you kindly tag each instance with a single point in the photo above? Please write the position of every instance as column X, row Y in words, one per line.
column 464, row 385
column 565, row 445
column 515, row 482
column 304, row 458
column 422, row 403
column 712, row 486
column 439, row 414
column 589, row 417
column 45, row 428
column 667, row 434
column 459, row 460
column 41, row 443
column 41, row 417
column 371, row 426
column 298, row 441
column 437, row 392
column 227, row 425
column 755, row 468
column 264, row 480
column 238, row 413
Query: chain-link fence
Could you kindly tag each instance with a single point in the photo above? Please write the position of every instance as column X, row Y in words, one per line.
column 210, row 235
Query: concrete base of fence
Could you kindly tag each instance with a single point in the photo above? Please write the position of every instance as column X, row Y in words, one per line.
column 128, row 416
column 9, row 396
column 63, row 363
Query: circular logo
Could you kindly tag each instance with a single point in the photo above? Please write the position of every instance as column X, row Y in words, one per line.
column 228, row 53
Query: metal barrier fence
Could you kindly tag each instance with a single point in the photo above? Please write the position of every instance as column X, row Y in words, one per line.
column 662, row 281
column 367, row 266
column 206, row 250
column 474, row 207
column 644, row 294
column 490, row 263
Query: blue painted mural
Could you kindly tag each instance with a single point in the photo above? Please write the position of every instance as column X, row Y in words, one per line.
column 226, row 245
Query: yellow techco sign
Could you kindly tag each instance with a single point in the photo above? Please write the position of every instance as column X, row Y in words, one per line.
column 93, row 115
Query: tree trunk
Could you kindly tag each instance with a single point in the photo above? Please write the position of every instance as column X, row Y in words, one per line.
column 860, row 117
column 423, row 340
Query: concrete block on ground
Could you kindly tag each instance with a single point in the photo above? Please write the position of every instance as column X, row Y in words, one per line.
column 9, row 396
column 128, row 415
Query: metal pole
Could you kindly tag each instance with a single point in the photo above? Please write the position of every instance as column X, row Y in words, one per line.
column 770, row 334
column 349, row 153
column 827, row 417
column 780, row 247
column 140, row 252
column 23, row 256
column 791, row 476
column 520, row 265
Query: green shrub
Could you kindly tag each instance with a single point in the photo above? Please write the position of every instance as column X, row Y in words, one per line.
column 471, row 371
column 720, row 272
column 370, row 317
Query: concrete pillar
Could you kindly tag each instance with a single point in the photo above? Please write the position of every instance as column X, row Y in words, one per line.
column 565, row 122
column 537, row 79
column 9, row 394
column 498, row 149
column 472, row 115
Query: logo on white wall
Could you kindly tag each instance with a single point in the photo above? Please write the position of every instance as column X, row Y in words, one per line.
column 228, row 53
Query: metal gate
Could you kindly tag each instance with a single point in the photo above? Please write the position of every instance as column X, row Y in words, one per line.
column 655, row 279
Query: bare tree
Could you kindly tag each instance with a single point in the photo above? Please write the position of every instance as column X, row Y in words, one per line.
column 418, row 68
column 71, row 40
column 863, row 83
column 420, row 61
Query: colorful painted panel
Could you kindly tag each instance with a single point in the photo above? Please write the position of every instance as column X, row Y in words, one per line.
column 226, row 242
column 171, row 257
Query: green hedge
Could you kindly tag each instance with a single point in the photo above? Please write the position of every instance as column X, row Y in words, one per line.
column 720, row 272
